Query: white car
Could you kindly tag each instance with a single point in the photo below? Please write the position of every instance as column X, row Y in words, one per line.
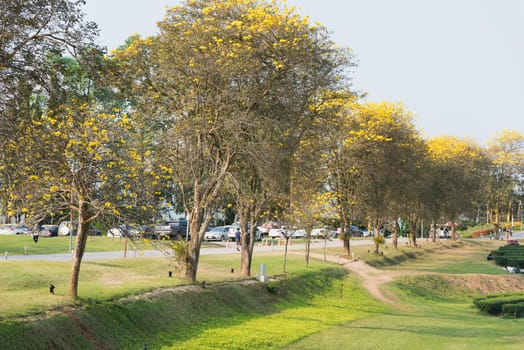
column 21, row 230
column 323, row 232
column 298, row 233
column 233, row 229
column 65, row 227
column 277, row 233
column 219, row 233
column 14, row 229
column 121, row 231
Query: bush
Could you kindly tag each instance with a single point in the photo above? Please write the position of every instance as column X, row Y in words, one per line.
column 513, row 310
column 493, row 304
column 509, row 255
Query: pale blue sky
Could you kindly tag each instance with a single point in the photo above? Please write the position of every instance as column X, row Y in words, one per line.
column 458, row 65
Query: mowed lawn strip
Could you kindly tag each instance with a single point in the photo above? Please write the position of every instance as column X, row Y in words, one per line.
column 343, row 301
column 436, row 309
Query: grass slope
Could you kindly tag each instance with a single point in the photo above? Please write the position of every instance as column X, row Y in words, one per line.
column 436, row 311
column 241, row 315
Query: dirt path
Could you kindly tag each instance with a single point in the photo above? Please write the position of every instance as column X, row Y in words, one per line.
column 371, row 277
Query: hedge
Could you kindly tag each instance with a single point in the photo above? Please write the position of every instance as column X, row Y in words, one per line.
column 494, row 304
column 510, row 255
column 513, row 310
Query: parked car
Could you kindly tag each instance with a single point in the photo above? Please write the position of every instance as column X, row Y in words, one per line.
column 323, row 232
column 277, row 232
column 14, row 229
column 6, row 229
column 65, row 227
column 272, row 229
column 300, row 233
column 356, row 231
column 48, row 231
column 129, row 231
column 21, row 230
column 219, row 233
column 233, row 229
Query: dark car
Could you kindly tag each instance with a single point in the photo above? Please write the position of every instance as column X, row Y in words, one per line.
column 48, row 231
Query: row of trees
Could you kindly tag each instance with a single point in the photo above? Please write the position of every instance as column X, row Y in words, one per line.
column 239, row 103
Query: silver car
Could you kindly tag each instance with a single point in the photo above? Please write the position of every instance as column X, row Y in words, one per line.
column 218, row 233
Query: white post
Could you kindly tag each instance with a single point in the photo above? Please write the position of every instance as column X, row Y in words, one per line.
column 262, row 274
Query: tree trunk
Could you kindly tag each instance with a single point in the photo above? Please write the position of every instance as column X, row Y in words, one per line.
column 396, row 230
column 453, row 230
column 247, row 243
column 307, row 249
column 285, row 255
column 377, row 233
column 78, row 253
column 434, row 230
column 197, row 228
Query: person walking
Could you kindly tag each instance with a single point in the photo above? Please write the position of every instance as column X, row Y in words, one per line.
column 237, row 238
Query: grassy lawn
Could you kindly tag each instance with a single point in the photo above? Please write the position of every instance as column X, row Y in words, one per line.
column 292, row 320
column 434, row 313
column 24, row 285
column 434, row 288
column 423, row 323
column 24, row 244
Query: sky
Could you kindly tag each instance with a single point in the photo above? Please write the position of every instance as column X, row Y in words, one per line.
column 456, row 65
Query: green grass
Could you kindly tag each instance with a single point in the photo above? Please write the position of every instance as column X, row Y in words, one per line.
column 298, row 315
column 234, row 315
column 319, row 307
column 24, row 285
column 24, row 244
column 435, row 316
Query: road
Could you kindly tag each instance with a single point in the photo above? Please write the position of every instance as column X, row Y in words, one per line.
column 228, row 248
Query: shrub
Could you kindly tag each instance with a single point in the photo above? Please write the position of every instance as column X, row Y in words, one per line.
column 509, row 255
column 513, row 310
column 493, row 304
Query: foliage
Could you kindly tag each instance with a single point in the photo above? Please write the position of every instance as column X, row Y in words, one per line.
column 493, row 304
column 513, row 310
column 181, row 250
column 225, row 82
column 506, row 151
column 509, row 255
column 458, row 168
column 32, row 31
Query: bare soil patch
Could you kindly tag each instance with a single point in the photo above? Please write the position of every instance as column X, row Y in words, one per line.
column 487, row 284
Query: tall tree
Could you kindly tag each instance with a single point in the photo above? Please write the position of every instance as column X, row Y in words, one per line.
column 75, row 155
column 221, row 76
column 459, row 167
column 31, row 31
column 506, row 151
column 381, row 148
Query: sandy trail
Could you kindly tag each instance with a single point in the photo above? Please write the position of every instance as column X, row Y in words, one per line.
column 371, row 277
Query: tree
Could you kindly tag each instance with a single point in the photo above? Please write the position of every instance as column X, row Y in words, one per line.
column 32, row 31
column 218, row 77
column 458, row 168
column 341, row 167
column 75, row 154
column 381, row 151
column 506, row 151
